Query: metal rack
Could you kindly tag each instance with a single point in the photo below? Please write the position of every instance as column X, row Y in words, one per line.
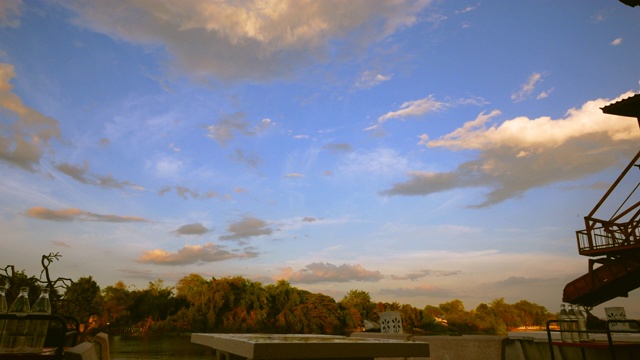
column 62, row 332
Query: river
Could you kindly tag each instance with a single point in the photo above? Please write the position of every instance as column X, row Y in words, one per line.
column 159, row 347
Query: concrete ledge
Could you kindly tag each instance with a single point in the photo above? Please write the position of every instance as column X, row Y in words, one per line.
column 467, row 347
column 377, row 335
column 401, row 337
column 84, row 351
column 102, row 341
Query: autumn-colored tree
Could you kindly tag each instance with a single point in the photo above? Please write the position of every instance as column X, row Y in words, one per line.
column 457, row 317
column 237, row 304
column 532, row 314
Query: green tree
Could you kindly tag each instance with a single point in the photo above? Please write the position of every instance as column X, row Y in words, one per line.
column 358, row 307
column 194, row 288
column 284, row 300
column 115, row 306
column 486, row 320
column 82, row 299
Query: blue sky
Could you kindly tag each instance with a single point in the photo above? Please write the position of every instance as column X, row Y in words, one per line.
column 422, row 151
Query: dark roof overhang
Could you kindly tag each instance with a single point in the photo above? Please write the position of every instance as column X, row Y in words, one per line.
column 626, row 107
column 631, row 3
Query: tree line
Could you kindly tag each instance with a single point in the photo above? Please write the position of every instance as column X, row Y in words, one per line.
column 236, row 304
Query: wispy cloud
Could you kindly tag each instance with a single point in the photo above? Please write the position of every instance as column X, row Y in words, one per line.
column 424, row 290
column 424, row 273
column 378, row 162
column 414, row 108
column 10, row 12
column 616, row 42
column 224, row 130
column 29, row 135
column 193, row 254
column 186, row 193
column 73, row 214
column 528, row 88
column 521, row 154
column 337, row 148
column 370, row 78
column 82, row 175
column 250, row 160
column 469, row 8
column 294, row 175
column 325, row 272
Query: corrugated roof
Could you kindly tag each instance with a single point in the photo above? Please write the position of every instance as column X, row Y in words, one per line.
column 631, row 3
column 625, row 107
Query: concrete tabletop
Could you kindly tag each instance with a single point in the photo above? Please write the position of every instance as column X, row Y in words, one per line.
column 294, row 346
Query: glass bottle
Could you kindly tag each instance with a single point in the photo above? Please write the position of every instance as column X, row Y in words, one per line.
column 3, row 306
column 15, row 336
column 574, row 324
column 565, row 324
column 582, row 325
column 39, row 327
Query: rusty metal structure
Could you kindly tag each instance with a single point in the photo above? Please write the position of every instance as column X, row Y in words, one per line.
column 613, row 244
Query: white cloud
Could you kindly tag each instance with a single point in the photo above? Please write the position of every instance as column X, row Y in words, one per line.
column 414, row 108
column 521, row 154
column 616, row 41
column 527, row 88
column 379, row 162
column 167, row 166
column 248, row 39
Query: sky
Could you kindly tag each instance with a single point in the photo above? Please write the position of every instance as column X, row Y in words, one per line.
column 422, row 151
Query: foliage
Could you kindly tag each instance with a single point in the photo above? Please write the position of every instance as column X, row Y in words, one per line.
column 82, row 299
column 236, row 304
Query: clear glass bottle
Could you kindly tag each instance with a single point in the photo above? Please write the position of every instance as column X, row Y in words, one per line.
column 582, row 325
column 3, row 306
column 565, row 324
column 15, row 336
column 39, row 327
column 574, row 324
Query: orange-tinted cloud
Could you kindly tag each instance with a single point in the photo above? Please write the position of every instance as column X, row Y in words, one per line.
column 325, row 272
column 193, row 254
column 72, row 214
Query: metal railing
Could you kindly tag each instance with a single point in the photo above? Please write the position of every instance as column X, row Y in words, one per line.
column 572, row 325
